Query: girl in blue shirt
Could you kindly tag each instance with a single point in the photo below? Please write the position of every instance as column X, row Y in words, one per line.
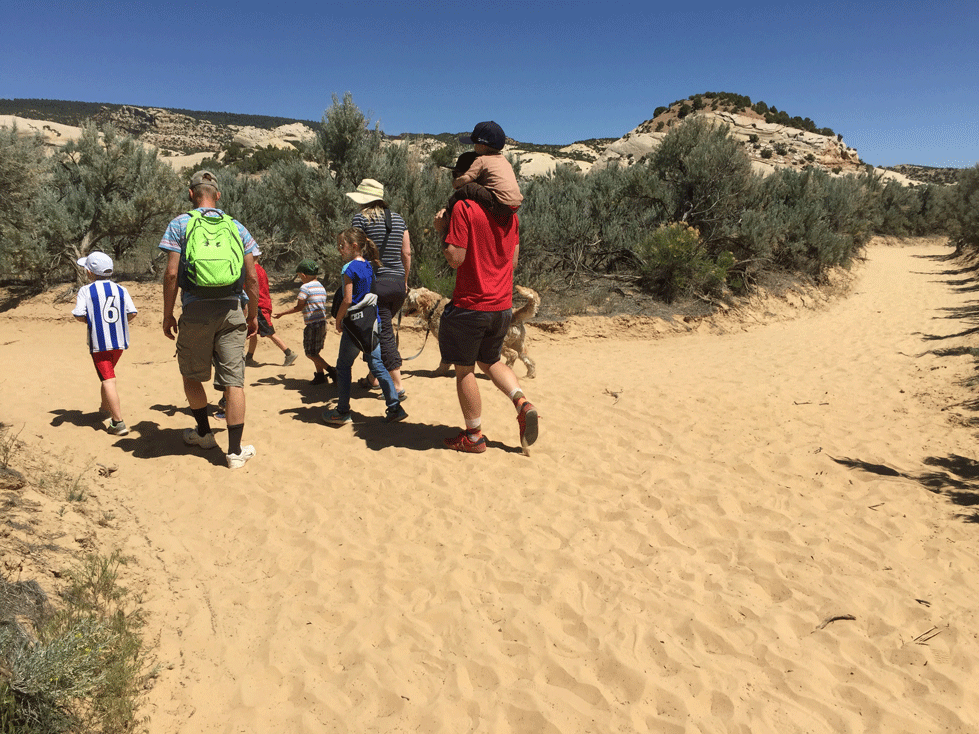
column 358, row 326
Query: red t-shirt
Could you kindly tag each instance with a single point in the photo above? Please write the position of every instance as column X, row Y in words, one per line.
column 484, row 281
column 264, row 298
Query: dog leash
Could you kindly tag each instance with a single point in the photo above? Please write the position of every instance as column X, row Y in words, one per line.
column 408, row 359
column 428, row 330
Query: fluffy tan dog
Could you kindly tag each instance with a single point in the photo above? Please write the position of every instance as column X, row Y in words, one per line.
column 428, row 306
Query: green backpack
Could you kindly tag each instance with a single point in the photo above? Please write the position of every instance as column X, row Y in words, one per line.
column 212, row 257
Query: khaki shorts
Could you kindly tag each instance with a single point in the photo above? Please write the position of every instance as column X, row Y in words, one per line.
column 212, row 331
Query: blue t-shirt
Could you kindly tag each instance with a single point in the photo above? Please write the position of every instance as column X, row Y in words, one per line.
column 361, row 275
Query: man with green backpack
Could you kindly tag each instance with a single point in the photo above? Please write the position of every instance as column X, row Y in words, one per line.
column 211, row 261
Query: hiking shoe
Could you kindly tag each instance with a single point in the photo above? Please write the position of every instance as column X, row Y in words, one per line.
column 336, row 418
column 250, row 361
column 193, row 438
column 395, row 414
column 365, row 382
column 290, row 359
column 332, row 372
column 402, row 396
column 463, row 443
column 527, row 420
column 116, row 429
column 319, row 379
column 236, row 461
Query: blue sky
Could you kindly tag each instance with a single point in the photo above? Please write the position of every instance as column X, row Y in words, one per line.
column 899, row 80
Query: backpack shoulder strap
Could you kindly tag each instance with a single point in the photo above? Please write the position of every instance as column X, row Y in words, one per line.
column 388, row 226
column 195, row 216
column 233, row 226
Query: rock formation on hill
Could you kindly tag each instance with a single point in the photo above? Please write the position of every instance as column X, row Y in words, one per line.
column 185, row 140
column 769, row 145
column 168, row 130
column 183, row 135
column 927, row 174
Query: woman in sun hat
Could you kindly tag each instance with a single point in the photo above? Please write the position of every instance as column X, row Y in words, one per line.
column 388, row 231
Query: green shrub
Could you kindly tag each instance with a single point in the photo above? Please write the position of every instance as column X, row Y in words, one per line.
column 440, row 280
column 965, row 220
column 705, row 175
column 446, row 155
column 211, row 164
column 348, row 144
column 807, row 221
column 261, row 159
column 780, row 148
column 752, row 138
column 78, row 668
column 766, row 153
column 102, row 191
column 674, row 264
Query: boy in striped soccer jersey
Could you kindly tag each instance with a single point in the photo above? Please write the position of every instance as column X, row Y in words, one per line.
column 107, row 309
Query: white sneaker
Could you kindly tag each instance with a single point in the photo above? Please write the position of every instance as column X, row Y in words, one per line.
column 236, row 461
column 193, row 438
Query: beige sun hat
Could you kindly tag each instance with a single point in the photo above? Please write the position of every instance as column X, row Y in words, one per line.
column 367, row 191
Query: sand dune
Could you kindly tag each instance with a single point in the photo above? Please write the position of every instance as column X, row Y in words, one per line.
column 748, row 528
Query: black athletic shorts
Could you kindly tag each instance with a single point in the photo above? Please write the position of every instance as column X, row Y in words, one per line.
column 467, row 337
column 265, row 327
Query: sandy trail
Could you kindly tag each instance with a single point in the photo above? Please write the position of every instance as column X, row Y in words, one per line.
column 756, row 531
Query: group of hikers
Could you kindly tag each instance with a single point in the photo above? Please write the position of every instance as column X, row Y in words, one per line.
column 225, row 302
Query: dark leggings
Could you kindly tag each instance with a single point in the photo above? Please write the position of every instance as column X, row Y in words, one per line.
column 390, row 297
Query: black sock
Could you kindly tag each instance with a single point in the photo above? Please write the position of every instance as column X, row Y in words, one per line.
column 234, row 438
column 203, row 425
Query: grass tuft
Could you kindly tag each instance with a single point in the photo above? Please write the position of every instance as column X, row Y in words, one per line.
column 78, row 667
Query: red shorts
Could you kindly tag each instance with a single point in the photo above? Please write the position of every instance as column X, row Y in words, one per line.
column 105, row 363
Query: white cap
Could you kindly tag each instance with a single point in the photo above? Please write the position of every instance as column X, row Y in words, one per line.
column 98, row 263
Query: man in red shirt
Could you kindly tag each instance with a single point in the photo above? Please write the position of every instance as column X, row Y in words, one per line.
column 483, row 250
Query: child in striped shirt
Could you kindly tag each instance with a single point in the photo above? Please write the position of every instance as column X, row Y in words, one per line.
column 312, row 302
column 107, row 309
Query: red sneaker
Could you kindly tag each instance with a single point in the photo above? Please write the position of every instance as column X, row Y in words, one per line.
column 527, row 420
column 463, row 443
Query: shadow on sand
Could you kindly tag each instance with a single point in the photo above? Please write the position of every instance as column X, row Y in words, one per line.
column 955, row 477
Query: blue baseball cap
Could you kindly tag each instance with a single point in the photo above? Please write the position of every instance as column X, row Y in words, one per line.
column 486, row 133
